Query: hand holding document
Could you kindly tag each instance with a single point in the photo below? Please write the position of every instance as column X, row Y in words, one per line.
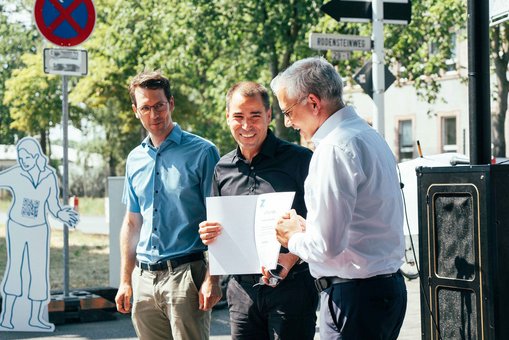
column 248, row 238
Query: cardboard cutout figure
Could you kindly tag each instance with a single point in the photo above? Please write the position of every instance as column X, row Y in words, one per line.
column 34, row 188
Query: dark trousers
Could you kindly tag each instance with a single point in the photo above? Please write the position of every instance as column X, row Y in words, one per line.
column 363, row 309
column 287, row 311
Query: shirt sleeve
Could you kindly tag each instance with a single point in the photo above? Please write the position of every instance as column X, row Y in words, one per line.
column 331, row 194
column 210, row 159
column 129, row 196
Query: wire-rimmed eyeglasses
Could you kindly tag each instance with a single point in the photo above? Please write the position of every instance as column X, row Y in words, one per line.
column 288, row 111
column 158, row 108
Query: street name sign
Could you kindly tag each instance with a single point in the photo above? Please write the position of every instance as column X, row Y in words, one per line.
column 499, row 11
column 338, row 42
column 395, row 11
column 65, row 61
column 65, row 23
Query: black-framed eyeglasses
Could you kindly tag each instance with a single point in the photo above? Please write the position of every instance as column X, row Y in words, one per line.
column 158, row 108
column 288, row 111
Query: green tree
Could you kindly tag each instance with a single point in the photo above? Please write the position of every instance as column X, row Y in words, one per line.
column 203, row 46
column 268, row 36
column 35, row 99
column 15, row 39
column 419, row 53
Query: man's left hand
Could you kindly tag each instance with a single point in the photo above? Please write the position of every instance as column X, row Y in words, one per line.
column 210, row 292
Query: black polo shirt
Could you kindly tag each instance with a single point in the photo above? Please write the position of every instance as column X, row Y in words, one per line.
column 279, row 166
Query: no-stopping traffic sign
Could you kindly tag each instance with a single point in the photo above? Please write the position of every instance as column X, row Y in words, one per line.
column 65, row 22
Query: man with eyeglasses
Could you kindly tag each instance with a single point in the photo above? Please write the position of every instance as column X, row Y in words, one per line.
column 353, row 236
column 279, row 305
column 168, row 177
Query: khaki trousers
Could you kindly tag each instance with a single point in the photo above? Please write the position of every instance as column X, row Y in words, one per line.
column 166, row 305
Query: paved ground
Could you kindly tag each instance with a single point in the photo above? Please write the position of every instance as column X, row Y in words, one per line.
column 121, row 328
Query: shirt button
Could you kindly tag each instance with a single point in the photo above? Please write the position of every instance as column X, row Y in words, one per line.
column 155, row 210
column 155, row 229
column 157, row 191
column 157, row 173
column 252, row 168
column 153, row 247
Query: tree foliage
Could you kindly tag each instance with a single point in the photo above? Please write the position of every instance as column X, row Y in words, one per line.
column 204, row 47
column 15, row 40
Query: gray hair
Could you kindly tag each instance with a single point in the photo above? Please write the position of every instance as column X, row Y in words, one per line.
column 311, row 75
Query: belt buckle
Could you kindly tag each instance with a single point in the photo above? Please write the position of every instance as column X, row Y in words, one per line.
column 321, row 284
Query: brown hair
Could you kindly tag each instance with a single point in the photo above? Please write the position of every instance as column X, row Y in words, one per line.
column 152, row 80
column 248, row 89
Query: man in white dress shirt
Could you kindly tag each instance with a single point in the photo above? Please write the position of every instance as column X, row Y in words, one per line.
column 353, row 235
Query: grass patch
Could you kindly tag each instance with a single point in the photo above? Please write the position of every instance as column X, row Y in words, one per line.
column 88, row 259
column 91, row 206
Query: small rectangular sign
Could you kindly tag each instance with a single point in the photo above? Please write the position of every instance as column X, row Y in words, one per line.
column 341, row 55
column 338, row 42
column 499, row 11
column 65, row 61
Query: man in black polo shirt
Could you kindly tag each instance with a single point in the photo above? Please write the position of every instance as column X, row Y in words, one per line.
column 263, row 163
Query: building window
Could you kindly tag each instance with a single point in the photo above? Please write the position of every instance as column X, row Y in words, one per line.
column 453, row 52
column 405, row 140
column 451, row 62
column 449, row 138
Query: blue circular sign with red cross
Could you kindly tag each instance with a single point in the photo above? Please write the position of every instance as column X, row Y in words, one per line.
column 65, row 22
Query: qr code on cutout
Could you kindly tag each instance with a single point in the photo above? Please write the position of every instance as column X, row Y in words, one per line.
column 30, row 208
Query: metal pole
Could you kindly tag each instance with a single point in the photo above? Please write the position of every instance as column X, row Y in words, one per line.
column 378, row 67
column 479, row 81
column 65, row 180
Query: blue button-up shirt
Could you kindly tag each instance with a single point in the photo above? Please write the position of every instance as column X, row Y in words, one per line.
column 168, row 186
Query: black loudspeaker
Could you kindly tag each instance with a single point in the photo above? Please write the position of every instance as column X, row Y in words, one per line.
column 464, row 251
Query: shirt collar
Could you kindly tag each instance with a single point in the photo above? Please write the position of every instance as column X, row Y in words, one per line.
column 331, row 123
column 175, row 136
column 268, row 149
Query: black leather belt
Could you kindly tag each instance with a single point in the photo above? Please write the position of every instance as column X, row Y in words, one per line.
column 323, row 283
column 170, row 263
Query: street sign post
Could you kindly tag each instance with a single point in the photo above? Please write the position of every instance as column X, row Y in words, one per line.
column 378, row 12
column 394, row 11
column 65, row 61
column 338, row 42
column 65, row 22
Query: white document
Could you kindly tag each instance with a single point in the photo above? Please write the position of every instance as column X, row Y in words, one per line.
column 248, row 239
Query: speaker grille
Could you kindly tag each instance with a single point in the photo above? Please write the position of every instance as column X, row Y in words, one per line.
column 457, row 314
column 454, row 230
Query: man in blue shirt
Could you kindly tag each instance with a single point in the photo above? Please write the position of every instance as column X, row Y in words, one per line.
column 168, row 176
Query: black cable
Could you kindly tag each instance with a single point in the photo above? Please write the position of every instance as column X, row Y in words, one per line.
column 415, row 257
